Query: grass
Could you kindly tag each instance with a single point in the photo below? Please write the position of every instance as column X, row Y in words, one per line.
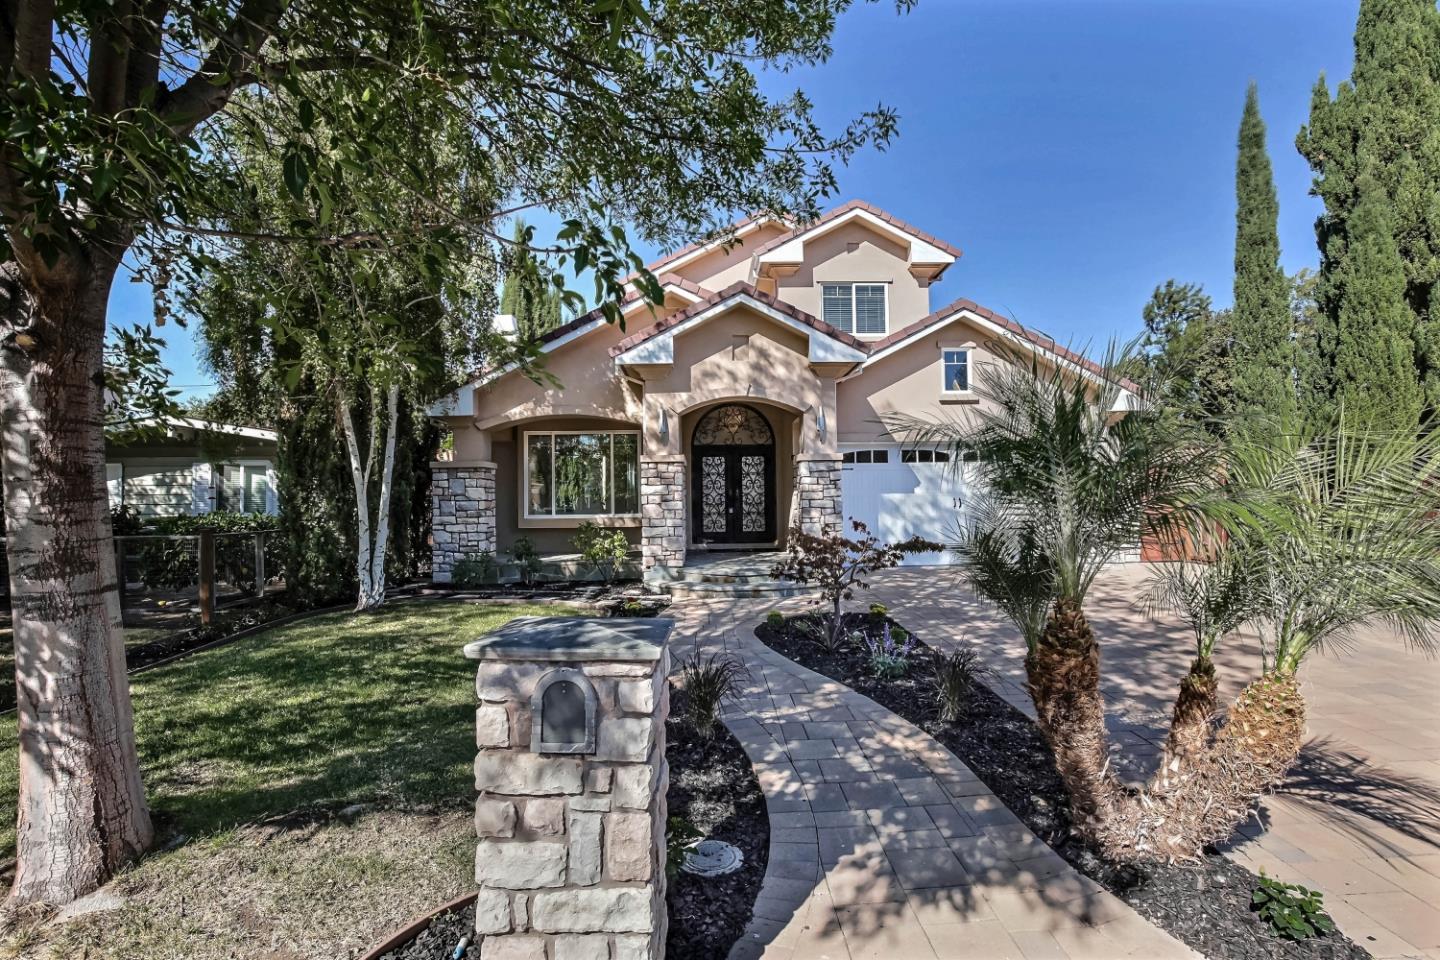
column 249, row 751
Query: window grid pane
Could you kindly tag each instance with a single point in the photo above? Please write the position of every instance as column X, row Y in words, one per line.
column 869, row 308
column 836, row 305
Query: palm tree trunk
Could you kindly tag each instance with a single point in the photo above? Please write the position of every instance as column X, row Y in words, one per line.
column 1195, row 706
column 1175, row 818
column 82, row 810
column 1063, row 677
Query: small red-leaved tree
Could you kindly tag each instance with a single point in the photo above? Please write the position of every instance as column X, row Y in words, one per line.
column 837, row 564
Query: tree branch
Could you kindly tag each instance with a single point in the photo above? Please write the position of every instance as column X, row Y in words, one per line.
column 201, row 96
column 34, row 25
column 109, row 57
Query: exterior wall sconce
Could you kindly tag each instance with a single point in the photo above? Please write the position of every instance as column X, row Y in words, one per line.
column 820, row 423
column 664, row 426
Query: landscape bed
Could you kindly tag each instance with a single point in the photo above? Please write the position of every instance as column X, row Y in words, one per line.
column 1207, row 905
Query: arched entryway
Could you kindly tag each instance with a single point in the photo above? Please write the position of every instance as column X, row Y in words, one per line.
column 732, row 477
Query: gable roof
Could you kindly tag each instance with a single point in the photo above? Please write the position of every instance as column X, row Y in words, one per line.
column 848, row 209
column 736, row 290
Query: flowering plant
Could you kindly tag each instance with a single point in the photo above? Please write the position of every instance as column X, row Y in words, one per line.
column 890, row 654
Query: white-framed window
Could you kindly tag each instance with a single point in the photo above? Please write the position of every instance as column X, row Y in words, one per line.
column 865, row 456
column 924, row 455
column 242, row 487
column 582, row 473
column 860, row 308
column 955, row 370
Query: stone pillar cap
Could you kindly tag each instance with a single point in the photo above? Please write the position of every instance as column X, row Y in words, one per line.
column 574, row 638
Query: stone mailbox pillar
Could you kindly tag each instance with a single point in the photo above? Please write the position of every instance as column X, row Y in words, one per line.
column 571, row 773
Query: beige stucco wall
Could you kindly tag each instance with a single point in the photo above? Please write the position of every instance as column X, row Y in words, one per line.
column 719, row 268
column 740, row 354
column 909, row 381
column 853, row 253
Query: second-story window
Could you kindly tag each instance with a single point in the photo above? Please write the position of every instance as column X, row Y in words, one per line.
column 854, row 307
column 957, row 371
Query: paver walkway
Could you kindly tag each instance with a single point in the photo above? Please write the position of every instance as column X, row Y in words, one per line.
column 883, row 845
column 1358, row 819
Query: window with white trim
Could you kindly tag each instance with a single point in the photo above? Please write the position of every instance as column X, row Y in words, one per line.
column 571, row 473
column 956, row 370
column 924, row 455
column 859, row 308
column 242, row 488
column 865, row 456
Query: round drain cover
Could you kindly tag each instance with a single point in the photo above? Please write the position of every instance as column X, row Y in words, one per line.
column 713, row 858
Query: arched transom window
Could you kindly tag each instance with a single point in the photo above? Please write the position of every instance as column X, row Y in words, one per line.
column 733, row 425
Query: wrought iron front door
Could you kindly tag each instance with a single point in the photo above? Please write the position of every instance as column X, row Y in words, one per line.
column 734, row 498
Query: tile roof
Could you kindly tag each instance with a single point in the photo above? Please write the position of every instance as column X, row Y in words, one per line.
column 870, row 208
column 737, row 289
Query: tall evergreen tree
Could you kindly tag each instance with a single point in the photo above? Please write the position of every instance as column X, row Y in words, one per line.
column 1376, row 377
column 528, row 293
column 1262, row 369
column 1384, row 121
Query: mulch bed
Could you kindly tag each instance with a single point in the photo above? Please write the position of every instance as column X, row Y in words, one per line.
column 439, row 940
column 1205, row 904
column 713, row 786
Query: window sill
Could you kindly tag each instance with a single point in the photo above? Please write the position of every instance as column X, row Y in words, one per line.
column 568, row 520
column 962, row 398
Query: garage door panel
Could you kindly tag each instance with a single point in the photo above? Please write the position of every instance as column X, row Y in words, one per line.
column 902, row 500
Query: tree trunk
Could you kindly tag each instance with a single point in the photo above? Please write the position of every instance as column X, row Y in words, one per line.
column 82, row 810
column 1195, row 707
column 371, row 549
column 1063, row 677
column 382, row 518
column 1176, row 816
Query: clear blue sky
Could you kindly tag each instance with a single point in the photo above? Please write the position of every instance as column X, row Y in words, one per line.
column 1078, row 151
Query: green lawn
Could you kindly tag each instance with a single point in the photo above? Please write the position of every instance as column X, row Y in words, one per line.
column 343, row 709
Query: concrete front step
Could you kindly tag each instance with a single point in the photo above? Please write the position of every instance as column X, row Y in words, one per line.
column 706, row 589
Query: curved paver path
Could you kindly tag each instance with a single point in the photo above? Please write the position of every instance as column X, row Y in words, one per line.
column 883, row 845
column 1359, row 816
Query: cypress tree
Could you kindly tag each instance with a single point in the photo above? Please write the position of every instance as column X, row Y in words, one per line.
column 1384, row 122
column 1376, row 377
column 527, row 293
column 1263, row 366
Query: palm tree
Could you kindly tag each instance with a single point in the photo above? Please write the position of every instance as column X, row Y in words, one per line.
column 1213, row 597
column 1075, row 472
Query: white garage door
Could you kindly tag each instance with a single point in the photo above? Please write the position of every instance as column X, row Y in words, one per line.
column 905, row 492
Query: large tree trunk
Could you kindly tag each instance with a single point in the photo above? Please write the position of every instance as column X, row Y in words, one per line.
column 82, row 810
column 1063, row 677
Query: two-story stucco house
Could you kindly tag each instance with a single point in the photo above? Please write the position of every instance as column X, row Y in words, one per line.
column 752, row 399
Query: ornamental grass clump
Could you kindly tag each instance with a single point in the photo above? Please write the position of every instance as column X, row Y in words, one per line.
column 708, row 682
column 955, row 677
column 889, row 653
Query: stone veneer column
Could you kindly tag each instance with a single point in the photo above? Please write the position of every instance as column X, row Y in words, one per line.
column 662, row 516
column 462, row 513
column 817, row 496
column 571, row 851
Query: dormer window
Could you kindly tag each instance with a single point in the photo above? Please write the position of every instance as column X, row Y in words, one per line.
column 857, row 308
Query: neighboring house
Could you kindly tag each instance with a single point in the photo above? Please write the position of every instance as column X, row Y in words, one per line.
column 194, row 467
column 751, row 400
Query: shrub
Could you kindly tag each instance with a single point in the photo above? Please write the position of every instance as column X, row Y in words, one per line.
column 524, row 555
column 878, row 610
column 955, row 677
column 708, row 683
column 889, row 655
column 775, row 619
column 1292, row 911
column 838, row 564
column 603, row 549
column 475, row 569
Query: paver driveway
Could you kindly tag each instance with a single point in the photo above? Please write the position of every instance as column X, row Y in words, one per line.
column 1359, row 818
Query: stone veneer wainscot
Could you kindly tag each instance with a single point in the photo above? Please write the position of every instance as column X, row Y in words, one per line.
column 462, row 513
column 817, row 503
column 662, row 509
column 570, row 856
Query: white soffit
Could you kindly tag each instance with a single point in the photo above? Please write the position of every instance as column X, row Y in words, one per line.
column 793, row 250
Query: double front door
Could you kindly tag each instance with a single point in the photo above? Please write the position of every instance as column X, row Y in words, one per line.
column 734, row 494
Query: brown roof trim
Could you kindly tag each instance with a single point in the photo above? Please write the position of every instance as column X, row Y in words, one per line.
column 738, row 289
column 1044, row 342
column 870, row 208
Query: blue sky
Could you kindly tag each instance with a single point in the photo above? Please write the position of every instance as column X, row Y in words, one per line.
column 1078, row 151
